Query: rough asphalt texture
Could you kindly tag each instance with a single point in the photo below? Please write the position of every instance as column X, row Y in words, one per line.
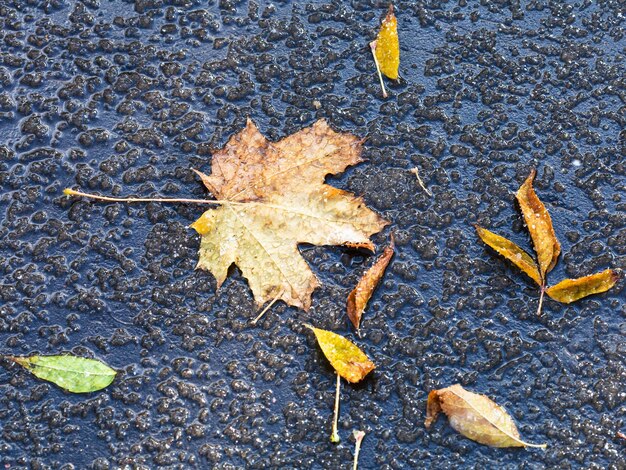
column 123, row 98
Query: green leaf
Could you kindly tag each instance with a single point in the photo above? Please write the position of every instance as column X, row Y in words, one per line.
column 72, row 373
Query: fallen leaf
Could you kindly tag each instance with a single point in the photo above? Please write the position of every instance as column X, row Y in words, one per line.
column 72, row 373
column 360, row 296
column 570, row 290
column 347, row 359
column 547, row 249
column 386, row 49
column 539, row 225
column 273, row 197
column 475, row 416
column 387, row 46
column 512, row 252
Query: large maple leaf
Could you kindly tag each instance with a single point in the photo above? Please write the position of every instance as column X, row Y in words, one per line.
column 273, row 197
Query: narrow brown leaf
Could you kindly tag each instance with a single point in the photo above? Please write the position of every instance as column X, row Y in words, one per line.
column 512, row 252
column 570, row 290
column 539, row 225
column 475, row 416
column 360, row 296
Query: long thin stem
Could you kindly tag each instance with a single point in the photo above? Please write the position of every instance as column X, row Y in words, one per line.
column 380, row 75
column 71, row 192
column 543, row 290
column 273, row 301
column 358, row 436
column 334, row 437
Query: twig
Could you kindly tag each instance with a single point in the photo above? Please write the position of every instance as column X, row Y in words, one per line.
column 334, row 437
column 358, row 436
column 416, row 172
column 380, row 75
column 267, row 308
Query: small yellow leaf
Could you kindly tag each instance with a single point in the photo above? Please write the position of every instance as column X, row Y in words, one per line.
column 475, row 416
column 387, row 46
column 570, row 290
column 512, row 252
column 539, row 225
column 360, row 296
column 348, row 360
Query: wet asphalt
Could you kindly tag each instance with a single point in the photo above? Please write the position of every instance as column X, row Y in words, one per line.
column 123, row 98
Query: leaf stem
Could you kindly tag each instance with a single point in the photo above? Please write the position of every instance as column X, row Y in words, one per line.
column 537, row 446
column 334, row 437
column 543, row 291
column 358, row 436
column 273, row 301
column 380, row 76
column 416, row 172
column 71, row 192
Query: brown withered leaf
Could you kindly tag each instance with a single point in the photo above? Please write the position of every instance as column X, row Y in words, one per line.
column 539, row 225
column 273, row 197
column 347, row 359
column 512, row 252
column 360, row 296
column 570, row 290
column 475, row 416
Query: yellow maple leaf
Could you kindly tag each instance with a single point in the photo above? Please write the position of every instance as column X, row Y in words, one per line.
column 273, row 197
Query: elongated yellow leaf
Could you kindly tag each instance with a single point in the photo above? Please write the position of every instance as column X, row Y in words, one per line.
column 512, row 252
column 570, row 290
column 539, row 225
column 475, row 416
column 348, row 360
column 74, row 374
column 387, row 46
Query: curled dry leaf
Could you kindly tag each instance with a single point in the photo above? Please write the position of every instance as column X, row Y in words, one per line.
column 475, row 416
column 360, row 296
column 512, row 252
column 539, row 225
column 570, row 290
column 273, row 197
column 347, row 359
column 72, row 373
